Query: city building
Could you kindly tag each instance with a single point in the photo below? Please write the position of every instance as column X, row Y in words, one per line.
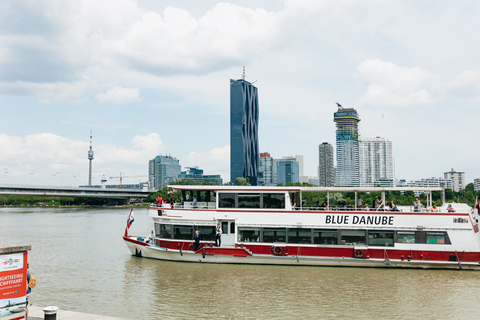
column 314, row 181
column 287, row 170
column 427, row 182
column 196, row 174
column 376, row 162
column 301, row 177
column 267, row 173
column 161, row 170
column 244, row 148
column 347, row 170
column 476, row 184
column 326, row 169
column 458, row 179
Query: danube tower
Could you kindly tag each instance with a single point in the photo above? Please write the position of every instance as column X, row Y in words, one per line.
column 90, row 158
column 348, row 168
column 244, row 149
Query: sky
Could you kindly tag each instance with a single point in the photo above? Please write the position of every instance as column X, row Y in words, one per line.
column 151, row 77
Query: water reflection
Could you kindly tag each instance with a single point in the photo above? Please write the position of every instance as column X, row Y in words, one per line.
column 82, row 264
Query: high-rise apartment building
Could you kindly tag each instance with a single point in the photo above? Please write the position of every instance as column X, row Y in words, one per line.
column 376, row 162
column 267, row 173
column 287, row 170
column 347, row 171
column 244, row 149
column 326, row 170
column 476, row 184
column 161, row 170
column 458, row 179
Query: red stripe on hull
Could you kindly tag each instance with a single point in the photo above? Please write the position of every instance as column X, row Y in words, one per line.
column 337, row 252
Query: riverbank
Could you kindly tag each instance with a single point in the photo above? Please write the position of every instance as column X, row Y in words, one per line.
column 36, row 313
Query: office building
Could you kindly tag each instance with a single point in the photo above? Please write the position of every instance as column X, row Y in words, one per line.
column 196, row 174
column 287, row 170
column 301, row 177
column 376, row 162
column 326, row 170
column 476, row 184
column 347, row 171
column 267, row 173
column 244, row 148
column 458, row 179
column 161, row 170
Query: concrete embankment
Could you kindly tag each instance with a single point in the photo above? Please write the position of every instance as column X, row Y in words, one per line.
column 36, row 313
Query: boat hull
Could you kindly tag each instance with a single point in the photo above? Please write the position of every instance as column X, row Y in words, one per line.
column 242, row 256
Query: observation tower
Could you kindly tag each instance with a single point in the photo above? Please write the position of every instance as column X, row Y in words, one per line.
column 90, row 158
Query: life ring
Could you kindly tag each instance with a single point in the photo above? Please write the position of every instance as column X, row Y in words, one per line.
column 277, row 251
column 358, row 253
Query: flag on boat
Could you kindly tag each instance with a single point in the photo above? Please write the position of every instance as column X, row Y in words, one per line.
column 129, row 222
column 477, row 207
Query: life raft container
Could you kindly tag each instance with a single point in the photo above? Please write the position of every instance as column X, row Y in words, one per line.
column 358, row 253
column 277, row 251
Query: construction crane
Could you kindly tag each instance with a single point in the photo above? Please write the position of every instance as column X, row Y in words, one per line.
column 121, row 177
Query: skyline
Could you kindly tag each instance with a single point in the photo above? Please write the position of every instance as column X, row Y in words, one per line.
column 150, row 78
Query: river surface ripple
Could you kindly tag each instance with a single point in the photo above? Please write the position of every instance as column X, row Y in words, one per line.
column 82, row 264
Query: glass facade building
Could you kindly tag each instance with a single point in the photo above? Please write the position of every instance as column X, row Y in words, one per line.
column 267, row 173
column 287, row 170
column 326, row 170
column 197, row 175
column 244, row 114
column 347, row 173
column 162, row 169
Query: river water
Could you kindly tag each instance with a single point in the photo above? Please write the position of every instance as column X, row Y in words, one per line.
column 82, row 264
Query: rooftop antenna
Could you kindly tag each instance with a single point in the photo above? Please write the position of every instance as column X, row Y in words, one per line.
column 90, row 158
column 243, row 75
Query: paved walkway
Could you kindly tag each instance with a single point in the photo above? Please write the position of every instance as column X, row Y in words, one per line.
column 36, row 313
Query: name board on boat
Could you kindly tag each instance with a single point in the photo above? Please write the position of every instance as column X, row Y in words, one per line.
column 379, row 220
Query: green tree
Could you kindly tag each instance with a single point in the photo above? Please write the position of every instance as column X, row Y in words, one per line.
column 242, row 181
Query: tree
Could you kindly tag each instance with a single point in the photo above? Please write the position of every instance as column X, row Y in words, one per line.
column 242, row 181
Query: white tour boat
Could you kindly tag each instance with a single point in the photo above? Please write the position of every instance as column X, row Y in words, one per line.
column 261, row 226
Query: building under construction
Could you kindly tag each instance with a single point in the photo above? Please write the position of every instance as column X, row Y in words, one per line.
column 348, row 170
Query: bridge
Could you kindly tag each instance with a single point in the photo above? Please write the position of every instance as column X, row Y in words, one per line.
column 83, row 192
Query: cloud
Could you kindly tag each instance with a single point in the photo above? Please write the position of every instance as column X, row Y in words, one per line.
column 120, row 95
column 214, row 161
column 40, row 157
column 395, row 86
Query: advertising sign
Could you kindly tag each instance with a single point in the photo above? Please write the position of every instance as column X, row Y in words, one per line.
column 13, row 285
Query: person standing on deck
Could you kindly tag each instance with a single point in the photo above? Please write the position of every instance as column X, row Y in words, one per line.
column 359, row 202
column 218, row 234
column 194, row 202
column 197, row 238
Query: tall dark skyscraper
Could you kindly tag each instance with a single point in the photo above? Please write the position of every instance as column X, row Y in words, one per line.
column 244, row 149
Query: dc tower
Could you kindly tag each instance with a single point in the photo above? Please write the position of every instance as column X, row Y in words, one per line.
column 90, row 158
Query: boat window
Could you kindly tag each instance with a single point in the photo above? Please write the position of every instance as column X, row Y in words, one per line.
column 299, row 235
column 207, row 232
column 183, row 232
column 325, row 237
column 352, row 237
column 232, row 227
column 226, row 200
column 273, row 235
column 248, row 234
column 436, row 237
column 165, row 231
column 380, row 238
column 248, row 200
column 406, row 237
column 274, row 200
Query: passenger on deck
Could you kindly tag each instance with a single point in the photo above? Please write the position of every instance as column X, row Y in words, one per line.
column 416, row 205
column 382, row 208
column 159, row 201
column 349, row 207
column 377, row 202
column 218, row 236
column 392, row 206
column 194, row 202
column 197, row 237
column 366, row 207
column 342, row 206
column 434, row 208
column 450, row 208
column 359, row 202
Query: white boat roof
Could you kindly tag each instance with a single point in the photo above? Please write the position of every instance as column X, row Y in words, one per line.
column 304, row 189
